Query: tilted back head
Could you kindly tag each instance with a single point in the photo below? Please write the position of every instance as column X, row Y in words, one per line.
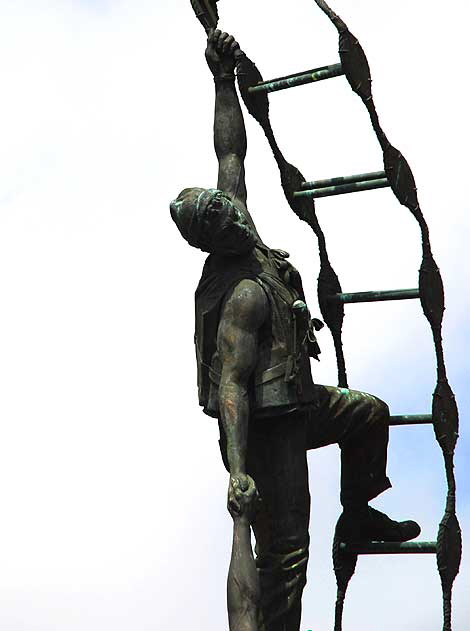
column 188, row 212
column 209, row 220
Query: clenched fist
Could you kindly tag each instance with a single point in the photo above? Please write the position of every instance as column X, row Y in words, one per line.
column 243, row 499
column 222, row 53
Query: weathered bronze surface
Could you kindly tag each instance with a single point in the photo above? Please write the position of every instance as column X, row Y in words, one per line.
column 375, row 296
column 254, row 336
column 341, row 189
column 345, row 179
column 299, row 78
column 206, row 13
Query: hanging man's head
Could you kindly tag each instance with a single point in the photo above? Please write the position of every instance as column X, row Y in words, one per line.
column 210, row 221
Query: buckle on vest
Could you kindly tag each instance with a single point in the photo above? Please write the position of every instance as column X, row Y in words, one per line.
column 291, row 369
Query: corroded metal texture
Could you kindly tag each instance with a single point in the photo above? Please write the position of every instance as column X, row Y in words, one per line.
column 355, row 65
column 206, row 13
column 400, row 177
column 332, row 312
column 375, row 296
column 292, row 81
column 345, row 179
column 256, row 103
column 431, row 292
column 344, row 564
column 410, row 419
column 445, row 417
column 449, row 554
column 292, row 180
column 390, row 547
column 334, row 17
column 341, row 189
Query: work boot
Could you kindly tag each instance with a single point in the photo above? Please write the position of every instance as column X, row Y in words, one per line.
column 370, row 524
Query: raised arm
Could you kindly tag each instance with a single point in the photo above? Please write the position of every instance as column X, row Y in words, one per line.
column 229, row 128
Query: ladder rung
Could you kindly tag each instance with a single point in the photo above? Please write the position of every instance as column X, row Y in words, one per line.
column 345, row 179
column 292, row 76
column 375, row 296
column 390, row 547
column 341, row 189
column 292, row 81
column 411, row 419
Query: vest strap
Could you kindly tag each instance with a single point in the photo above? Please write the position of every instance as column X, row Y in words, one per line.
column 267, row 375
column 271, row 373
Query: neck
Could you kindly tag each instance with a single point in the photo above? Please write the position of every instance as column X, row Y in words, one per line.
column 250, row 222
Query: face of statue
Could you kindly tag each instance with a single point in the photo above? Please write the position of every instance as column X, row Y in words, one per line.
column 226, row 229
column 209, row 220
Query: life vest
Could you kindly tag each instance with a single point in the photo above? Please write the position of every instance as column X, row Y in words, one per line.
column 282, row 378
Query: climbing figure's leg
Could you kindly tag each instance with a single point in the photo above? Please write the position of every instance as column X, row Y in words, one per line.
column 359, row 423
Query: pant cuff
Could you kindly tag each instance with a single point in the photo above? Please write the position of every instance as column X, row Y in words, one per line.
column 355, row 495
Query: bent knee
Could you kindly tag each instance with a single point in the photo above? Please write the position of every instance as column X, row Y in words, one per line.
column 380, row 410
column 373, row 408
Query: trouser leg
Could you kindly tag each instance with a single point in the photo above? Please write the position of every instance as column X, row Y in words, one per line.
column 277, row 462
column 359, row 423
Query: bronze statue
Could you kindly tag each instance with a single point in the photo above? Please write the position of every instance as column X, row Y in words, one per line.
column 254, row 339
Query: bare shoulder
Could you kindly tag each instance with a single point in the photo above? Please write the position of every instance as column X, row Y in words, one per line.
column 246, row 306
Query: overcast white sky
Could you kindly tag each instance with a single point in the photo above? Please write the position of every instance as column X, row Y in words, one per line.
column 112, row 492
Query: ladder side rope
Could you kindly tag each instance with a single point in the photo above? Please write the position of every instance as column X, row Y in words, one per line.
column 292, row 180
column 444, row 409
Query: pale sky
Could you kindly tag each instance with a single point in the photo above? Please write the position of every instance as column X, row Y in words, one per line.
column 112, row 492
